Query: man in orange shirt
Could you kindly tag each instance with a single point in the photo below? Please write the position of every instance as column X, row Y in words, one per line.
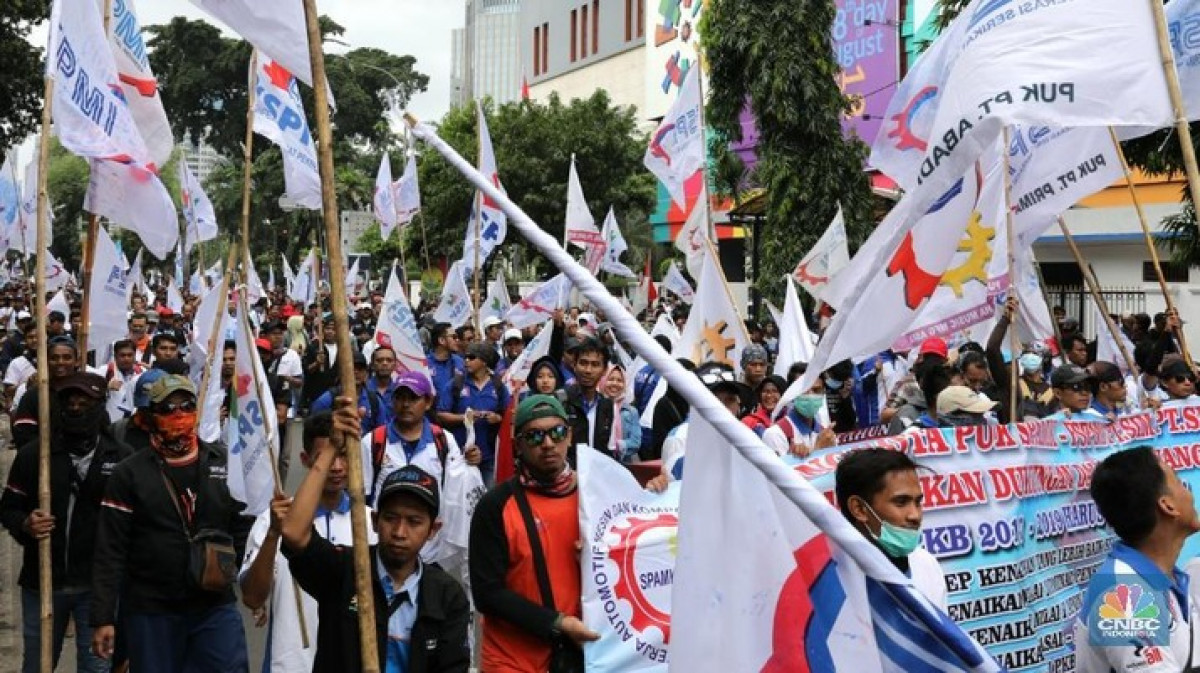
column 524, row 543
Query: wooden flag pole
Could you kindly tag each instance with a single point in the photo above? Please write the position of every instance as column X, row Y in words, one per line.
column 1094, row 287
column 478, row 225
column 1146, row 235
column 216, row 337
column 1177, row 104
column 1014, row 345
column 248, row 165
column 45, row 569
column 367, row 632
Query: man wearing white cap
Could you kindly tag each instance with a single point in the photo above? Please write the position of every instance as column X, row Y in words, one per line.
column 511, row 349
column 493, row 329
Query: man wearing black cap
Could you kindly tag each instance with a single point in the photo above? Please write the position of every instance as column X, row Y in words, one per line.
column 1072, row 386
column 1110, row 393
column 421, row 613
column 82, row 457
column 1178, row 381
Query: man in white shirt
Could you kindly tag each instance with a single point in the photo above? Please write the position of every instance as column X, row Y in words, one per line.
column 879, row 493
column 265, row 573
column 22, row 367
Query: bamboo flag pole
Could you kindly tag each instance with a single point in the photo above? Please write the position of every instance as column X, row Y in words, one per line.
column 216, row 337
column 478, row 225
column 367, row 632
column 1094, row 287
column 1175, row 92
column 45, row 570
column 248, row 168
column 1014, row 345
column 1150, row 246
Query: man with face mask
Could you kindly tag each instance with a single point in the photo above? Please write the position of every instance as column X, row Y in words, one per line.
column 154, row 504
column 82, row 457
column 879, row 494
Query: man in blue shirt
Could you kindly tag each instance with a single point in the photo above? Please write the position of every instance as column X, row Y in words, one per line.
column 375, row 410
column 447, row 371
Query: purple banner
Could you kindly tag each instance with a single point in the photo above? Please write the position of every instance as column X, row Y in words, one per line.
column 866, row 37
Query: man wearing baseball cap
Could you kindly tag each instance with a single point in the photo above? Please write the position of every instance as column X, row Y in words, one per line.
column 959, row 406
column 509, row 552
column 510, row 349
column 1072, row 386
column 82, row 457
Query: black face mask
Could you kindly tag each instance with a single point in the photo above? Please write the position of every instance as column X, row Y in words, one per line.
column 84, row 425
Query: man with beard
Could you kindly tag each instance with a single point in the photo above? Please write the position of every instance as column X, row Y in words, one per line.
column 82, row 457
column 421, row 613
column 154, row 506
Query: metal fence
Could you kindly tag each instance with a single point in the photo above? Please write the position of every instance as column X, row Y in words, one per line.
column 1077, row 302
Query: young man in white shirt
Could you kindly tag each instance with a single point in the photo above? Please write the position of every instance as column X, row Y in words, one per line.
column 879, row 493
column 265, row 573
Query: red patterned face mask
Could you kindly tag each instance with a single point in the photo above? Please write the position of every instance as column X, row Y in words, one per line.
column 174, row 434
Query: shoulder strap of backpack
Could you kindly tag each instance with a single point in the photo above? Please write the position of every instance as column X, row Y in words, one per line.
column 439, row 441
column 378, row 446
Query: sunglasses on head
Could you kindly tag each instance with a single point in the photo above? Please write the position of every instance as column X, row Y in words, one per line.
column 172, row 407
column 536, row 436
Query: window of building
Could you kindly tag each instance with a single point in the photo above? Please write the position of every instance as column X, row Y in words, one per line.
column 628, row 20
column 1173, row 272
column 595, row 26
column 583, row 34
column 545, row 47
column 640, row 18
column 537, row 50
column 574, row 31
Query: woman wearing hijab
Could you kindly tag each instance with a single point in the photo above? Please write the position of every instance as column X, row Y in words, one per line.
column 768, row 393
column 626, row 437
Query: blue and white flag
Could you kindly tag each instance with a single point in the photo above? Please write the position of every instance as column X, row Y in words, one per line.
column 486, row 215
column 397, row 328
column 279, row 117
column 455, row 306
column 251, row 432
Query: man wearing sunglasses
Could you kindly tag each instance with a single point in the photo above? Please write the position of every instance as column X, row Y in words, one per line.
column 1072, row 386
column 154, row 503
column 525, row 576
column 1178, row 381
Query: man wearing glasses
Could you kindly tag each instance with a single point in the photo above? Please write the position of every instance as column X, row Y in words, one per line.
column 525, row 574
column 1178, row 381
column 1072, row 386
column 153, row 505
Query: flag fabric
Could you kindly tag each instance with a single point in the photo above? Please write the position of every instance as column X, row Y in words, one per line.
column 92, row 120
column 407, row 193
column 279, row 117
column 498, row 303
column 254, row 286
column 455, row 305
column 56, row 273
column 398, row 328
column 303, row 287
column 279, row 31
column 197, row 209
column 384, row 202
column 179, row 255
column 776, row 314
column 251, row 432
column 538, row 347
column 138, row 81
column 783, row 596
column 677, row 147
column 25, row 238
column 174, row 299
column 289, row 276
column 134, row 282
column 693, row 238
column 486, row 215
column 796, row 342
column 715, row 331
column 629, row 538
column 540, row 303
column 675, row 282
column 580, row 225
column 271, row 278
column 614, row 247
column 352, row 277
column 59, row 303
column 107, row 295
column 830, row 254
column 204, row 327
column 10, row 201
column 196, row 284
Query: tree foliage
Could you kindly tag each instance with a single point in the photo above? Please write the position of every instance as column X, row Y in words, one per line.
column 533, row 143
column 21, row 63
column 777, row 57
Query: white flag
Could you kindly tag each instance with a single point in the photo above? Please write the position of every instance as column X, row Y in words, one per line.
column 289, row 276
column 537, row 348
column 580, row 225
column 830, row 254
column 174, row 299
column 498, row 303
column 56, row 273
column 254, row 286
column 676, row 283
column 107, row 294
column 677, row 147
column 271, row 278
column 407, row 193
column 279, row 117
column 455, row 305
column 25, row 238
column 486, row 215
column 692, row 239
column 59, row 303
column 196, row 284
column 138, row 81
column 397, row 328
column 384, row 202
column 304, row 285
column 10, row 202
column 251, row 432
column 134, row 282
column 540, row 303
column 352, row 276
column 277, row 30
column 614, row 247
column 715, row 331
column 197, row 209
column 796, row 342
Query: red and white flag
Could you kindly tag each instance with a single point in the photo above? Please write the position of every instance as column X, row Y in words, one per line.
column 540, row 303
column 677, row 148
column 580, row 225
column 828, row 256
column 489, row 219
column 138, row 81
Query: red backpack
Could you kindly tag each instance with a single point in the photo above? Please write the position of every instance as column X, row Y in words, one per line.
column 379, row 446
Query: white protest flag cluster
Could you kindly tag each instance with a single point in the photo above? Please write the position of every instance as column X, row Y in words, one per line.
column 254, row 286
column 138, row 81
column 614, row 247
column 715, row 331
column 580, row 225
column 693, row 238
column 675, row 282
column 829, row 255
column 541, row 302
column 455, row 305
column 384, row 202
column 488, row 222
column 498, row 303
column 398, row 328
column 134, row 281
column 796, row 342
column 677, row 149
column 107, row 295
column 289, row 276
column 93, row 120
column 251, row 432
column 407, row 193
column 277, row 30
column 197, row 209
column 279, row 117
column 985, row 72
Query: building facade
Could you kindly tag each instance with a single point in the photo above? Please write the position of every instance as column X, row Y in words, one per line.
column 201, row 159
column 486, row 53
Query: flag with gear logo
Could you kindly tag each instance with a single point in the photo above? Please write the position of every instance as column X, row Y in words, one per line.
column 715, row 331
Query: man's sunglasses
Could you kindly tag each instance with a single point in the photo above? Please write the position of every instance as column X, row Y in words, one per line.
column 172, row 407
column 1078, row 387
column 536, row 436
column 1182, row 379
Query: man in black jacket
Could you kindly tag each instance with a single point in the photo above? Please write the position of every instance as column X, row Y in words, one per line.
column 421, row 613
column 592, row 415
column 82, row 457
column 155, row 503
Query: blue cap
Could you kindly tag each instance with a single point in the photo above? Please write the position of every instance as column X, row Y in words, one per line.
column 141, row 389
